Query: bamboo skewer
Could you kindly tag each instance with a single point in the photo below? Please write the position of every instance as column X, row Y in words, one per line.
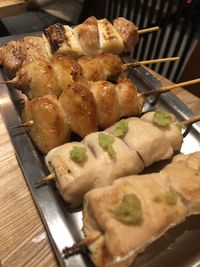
column 189, row 121
column 169, row 87
column 147, row 62
column 186, row 122
column 25, row 124
column 45, row 180
column 147, row 30
column 68, row 251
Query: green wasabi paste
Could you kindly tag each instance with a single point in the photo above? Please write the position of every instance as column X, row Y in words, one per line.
column 162, row 118
column 129, row 211
column 106, row 142
column 121, row 128
column 78, row 153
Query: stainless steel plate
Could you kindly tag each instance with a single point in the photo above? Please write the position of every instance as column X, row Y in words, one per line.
column 178, row 247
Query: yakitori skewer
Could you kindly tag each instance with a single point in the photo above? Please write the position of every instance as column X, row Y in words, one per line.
column 80, row 40
column 41, row 77
column 126, row 211
column 96, row 164
column 69, row 119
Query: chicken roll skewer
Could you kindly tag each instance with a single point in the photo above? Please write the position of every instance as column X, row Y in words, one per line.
column 100, row 158
column 85, row 111
column 127, row 216
column 41, row 77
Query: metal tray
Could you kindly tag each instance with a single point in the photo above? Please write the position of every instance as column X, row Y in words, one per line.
column 178, row 247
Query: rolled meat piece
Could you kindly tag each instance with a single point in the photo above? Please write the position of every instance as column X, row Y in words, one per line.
column 36, row 79
column 172, row 130
column 50, row 128
column 75, row 178
column 93, row 70
column 16, row 53
column 136, row 210
column 80, row 109
column 128, row 31
column 106, row 102
column 147, row 140
column 129, row 101
column 105, row 66
column 139, row 144
column 67, row 70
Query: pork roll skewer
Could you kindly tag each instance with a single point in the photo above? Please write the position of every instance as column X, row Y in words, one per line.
column 136, row 210
column 102, row 157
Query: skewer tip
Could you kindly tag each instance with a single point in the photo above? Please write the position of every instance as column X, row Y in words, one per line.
column 45, row 180
column 25, row 124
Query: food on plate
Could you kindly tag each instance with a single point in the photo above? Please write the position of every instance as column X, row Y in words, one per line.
column 123, row 149
column 93, row 36
column 127, row 216
column 16, row 53
column 80, row 40
column 86, row 109
column 49, row 126
column 41, row 77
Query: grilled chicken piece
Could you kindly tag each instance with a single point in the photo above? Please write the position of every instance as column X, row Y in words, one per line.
column 96, row 169
column 105, row 66
column 129, row 101
column 136, row 210
column 88, row 36
column 25, row 50
column 144, row 137
column 172, row 131
column 80, row 109
column 165, row 199
column 92, row 69
column 50, row 128
column 183, row 176
column 36, row 79
column 143, row 143
column 128, row 31
column 107, row 103
column 67, row 70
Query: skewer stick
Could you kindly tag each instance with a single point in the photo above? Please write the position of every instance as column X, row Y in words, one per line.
column 169, row 87
column 25, row 124
column 189, row 121
column 46, row 179
column 146, row 62
column 68, row 251
column 152, row 29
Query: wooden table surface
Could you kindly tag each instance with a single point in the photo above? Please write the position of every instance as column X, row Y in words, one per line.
column 11, row 7
column 23, row 240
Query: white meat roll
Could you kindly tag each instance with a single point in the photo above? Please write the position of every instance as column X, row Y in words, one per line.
column 74, row 178
column 98, row 168
column 147, row 140
column 129, row 216
column 109, row 168
column 172, row 131
column 183, row 176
